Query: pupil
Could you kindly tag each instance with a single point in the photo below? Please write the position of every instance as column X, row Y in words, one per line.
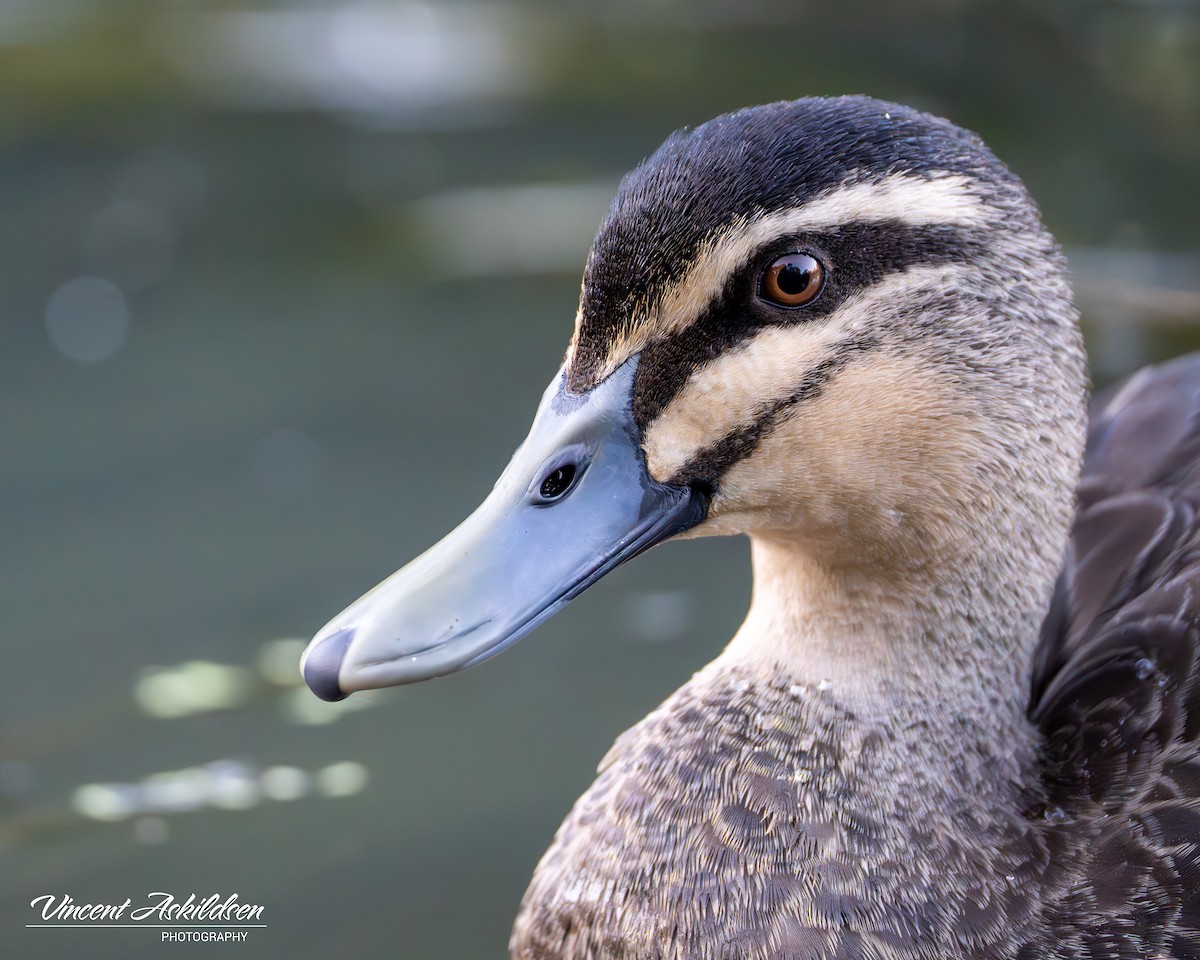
column 557, row 481
column 794, row 279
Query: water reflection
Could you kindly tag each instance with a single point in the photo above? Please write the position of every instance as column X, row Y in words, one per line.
column 403, row 60
column 514, row 230
column 221, row 784
column 87, row 319
column 195, row 687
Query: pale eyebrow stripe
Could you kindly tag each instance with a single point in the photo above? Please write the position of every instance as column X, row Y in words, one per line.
column 943, row 199
column 737, row 388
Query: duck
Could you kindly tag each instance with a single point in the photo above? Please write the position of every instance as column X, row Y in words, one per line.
column 961, row 717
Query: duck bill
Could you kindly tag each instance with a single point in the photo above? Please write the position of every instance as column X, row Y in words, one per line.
column 575, row 501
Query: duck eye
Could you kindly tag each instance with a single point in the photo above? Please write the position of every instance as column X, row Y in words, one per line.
column 792, row 281
column 557, row 482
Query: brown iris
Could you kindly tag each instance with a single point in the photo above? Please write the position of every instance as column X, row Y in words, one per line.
column 792, row 281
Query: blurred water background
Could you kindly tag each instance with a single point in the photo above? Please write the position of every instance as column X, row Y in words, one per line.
column 280, row 286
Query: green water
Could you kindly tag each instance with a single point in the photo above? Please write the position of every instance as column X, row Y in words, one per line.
column 330, row 259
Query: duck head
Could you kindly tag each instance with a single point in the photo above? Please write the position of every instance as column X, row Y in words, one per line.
column 833, row 324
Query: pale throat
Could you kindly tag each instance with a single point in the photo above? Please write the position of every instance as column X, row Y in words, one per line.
column 944, row 641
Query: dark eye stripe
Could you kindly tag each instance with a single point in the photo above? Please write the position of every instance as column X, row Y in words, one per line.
column 856, row 256
column 757, row 163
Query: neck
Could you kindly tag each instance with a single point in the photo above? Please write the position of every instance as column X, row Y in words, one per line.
column 939, row 642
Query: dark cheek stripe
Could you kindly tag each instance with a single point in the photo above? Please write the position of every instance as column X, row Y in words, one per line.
column 715, row 459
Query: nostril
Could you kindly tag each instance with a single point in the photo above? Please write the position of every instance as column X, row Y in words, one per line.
column 559, row 475
column 557, row 482
column 323, row 663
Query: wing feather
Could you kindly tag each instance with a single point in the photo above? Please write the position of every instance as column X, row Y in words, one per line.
column 1115, row 685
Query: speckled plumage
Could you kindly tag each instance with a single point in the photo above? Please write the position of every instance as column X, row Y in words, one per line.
column 976, row 792
column 753, row 818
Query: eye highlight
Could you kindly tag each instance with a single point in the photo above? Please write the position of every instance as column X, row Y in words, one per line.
column 792, row 281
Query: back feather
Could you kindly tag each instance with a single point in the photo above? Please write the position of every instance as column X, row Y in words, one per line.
column 1115, row 685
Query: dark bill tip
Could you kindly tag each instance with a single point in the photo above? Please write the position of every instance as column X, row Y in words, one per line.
column 324, row 661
